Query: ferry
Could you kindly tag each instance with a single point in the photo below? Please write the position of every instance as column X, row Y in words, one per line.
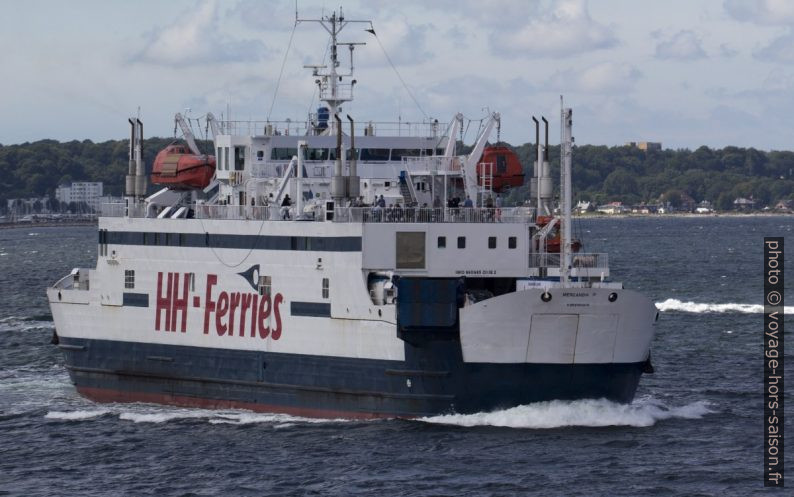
column 329, row 267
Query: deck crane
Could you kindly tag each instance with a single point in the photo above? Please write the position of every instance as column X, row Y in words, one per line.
column 213, row 125
column 187, row 133
column 470, row 164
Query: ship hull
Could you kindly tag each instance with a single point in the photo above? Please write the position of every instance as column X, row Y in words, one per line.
column 321, row 386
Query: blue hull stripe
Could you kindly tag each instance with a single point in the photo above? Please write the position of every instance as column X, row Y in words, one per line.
column 432, row 380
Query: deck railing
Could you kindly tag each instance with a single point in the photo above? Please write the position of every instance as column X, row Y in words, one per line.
column 304, row 128
column 578, row 260
column 522, row 215
column 433, row 215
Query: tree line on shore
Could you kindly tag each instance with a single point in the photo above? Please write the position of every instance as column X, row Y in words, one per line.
column 600, row 173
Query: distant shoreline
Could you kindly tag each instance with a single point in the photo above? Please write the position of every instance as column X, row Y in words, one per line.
column 678, row 215
column 47, row 224
column 689, row 215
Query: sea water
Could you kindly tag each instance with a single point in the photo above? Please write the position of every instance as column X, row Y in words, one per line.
column 695, row 427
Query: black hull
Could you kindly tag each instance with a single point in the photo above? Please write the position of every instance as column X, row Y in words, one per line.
column 432, row 380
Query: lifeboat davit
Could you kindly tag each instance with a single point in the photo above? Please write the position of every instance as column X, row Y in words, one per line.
column 554, row 242
column 507, row 170
column 177, row 167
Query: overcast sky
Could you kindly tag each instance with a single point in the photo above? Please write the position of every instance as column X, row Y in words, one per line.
column 682, row 72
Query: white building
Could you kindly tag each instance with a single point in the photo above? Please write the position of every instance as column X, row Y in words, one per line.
column 81, row 191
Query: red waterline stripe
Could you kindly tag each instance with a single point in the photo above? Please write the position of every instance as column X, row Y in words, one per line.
column 108, row 395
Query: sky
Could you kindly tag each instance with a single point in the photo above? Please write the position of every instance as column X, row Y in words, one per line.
column 682, row 72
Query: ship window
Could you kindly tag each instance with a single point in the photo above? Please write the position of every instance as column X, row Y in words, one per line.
column 440, row 151
column 219, row 155
column 283, row 153
column 260, row 155
column 428, row 151
column 410, row 250
column 129, row 278
column 461, row 242
column 375, row 154
column 399, row 153
column 491, row 242
column 325, row 288
column 192, row 282
column 442, row 242
column 317, row 154
column 511, row 242
column 239, row 158
column 264, row 285
column 226, row 158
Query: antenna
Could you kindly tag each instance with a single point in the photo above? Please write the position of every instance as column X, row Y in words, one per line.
column 332, row 88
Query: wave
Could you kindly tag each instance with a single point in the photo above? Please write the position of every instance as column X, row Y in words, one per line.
column 159, row 415
column 592, row 413
column 76, row 415
column 701, row 308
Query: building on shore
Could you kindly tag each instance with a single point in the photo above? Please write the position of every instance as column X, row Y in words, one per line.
column 87, row 192
column 645, row 146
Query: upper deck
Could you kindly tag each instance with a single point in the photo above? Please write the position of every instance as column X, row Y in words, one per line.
column 318, row 213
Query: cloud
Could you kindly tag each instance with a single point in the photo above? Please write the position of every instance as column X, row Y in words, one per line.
column 404, row 42
column 196, row 39
column 684, row 45
column 770, row 12
column 780, row 49
column 727, row 51
column 601, row 78
column 564, row 31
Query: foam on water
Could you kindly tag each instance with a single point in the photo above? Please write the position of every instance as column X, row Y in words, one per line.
column 594, row 413
column 702, row 308
column 144, row 413
column 76, row 415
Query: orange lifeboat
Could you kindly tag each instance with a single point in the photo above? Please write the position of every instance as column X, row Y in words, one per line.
column 507, row 170
column 554, row 242
column 177, row 167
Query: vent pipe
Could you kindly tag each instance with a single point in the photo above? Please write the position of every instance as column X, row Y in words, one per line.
column 338, row 182
column 353, row 181
column 533, row 182
column 140, row 169
column 129, row 183
column 545, row 186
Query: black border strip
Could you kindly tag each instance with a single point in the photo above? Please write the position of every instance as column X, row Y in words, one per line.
column 310, row 309
column 257, row 242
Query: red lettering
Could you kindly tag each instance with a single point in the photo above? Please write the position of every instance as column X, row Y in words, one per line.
column 245, row 303
column 277, row 330
column 234, row 302
column 209, row 304
column 264, row 313
column 254, row 308
column 163, row 303
column 223, row 307
column 179, row 305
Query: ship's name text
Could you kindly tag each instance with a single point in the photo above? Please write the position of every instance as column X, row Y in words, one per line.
column 225, row 313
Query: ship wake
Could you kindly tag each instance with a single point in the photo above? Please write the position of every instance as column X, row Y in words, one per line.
column 704, row 308
column 145, row 413
column 590, row 413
